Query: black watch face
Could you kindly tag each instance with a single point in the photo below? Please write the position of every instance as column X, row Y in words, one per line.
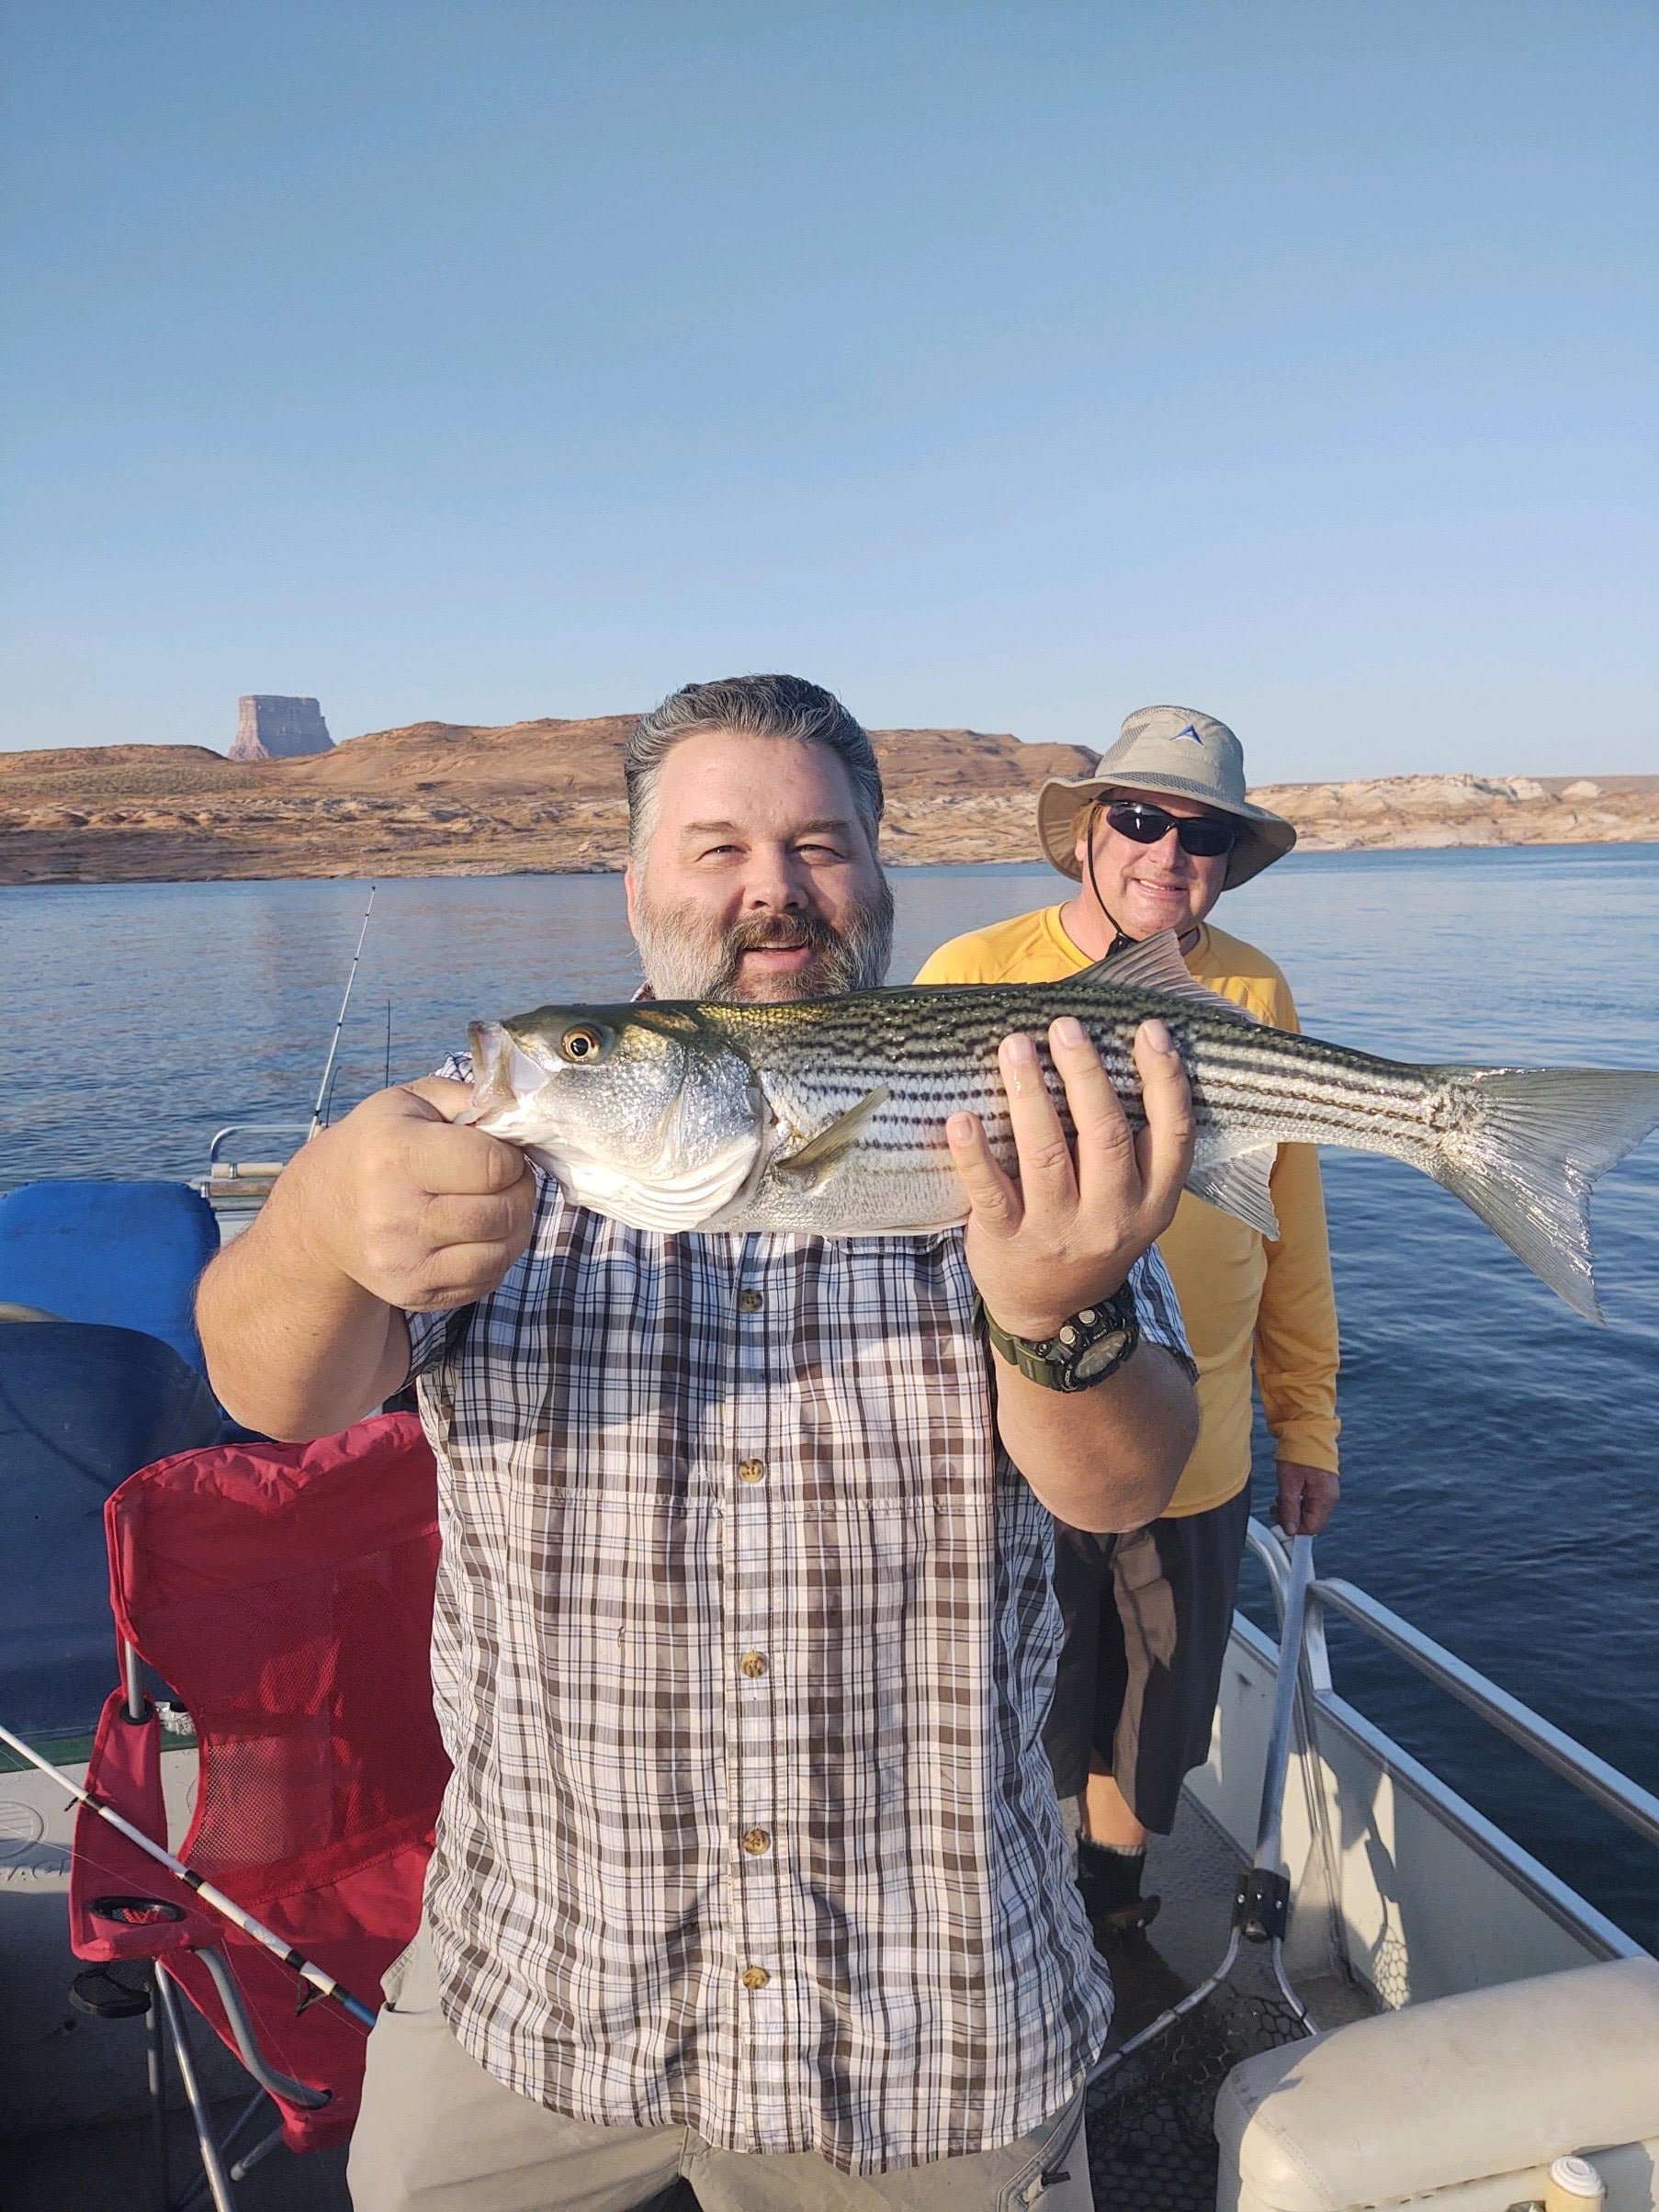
column 1098, row 1357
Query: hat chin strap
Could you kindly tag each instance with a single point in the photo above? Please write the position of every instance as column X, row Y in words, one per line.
column 1121, row 940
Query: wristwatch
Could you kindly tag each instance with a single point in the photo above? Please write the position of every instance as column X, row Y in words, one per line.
column 1081, row 1352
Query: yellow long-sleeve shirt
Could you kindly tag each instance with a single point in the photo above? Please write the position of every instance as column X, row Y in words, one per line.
column 1242, row 1296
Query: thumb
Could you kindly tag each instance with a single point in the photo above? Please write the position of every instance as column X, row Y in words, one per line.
column 449, row 1101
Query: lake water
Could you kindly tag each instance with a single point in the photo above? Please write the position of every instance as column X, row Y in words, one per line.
column 1501, row 1456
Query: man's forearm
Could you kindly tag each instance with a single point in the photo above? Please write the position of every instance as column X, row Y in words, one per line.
column 1105, row 1459
column 294, row 1347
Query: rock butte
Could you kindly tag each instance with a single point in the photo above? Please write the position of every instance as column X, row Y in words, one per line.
column 270, row 727
column 442, row 798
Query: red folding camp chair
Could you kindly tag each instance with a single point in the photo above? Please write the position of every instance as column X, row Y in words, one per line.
column 283, row 1593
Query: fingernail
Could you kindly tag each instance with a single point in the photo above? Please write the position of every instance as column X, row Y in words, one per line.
column 959, row 1128
column 1068, row 1030
column 1156, row 1035
column 1020, row 1050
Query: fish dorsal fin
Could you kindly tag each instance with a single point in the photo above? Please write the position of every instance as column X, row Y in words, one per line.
column 814, row 1160
column 1155, row 965
column 1241, row 1186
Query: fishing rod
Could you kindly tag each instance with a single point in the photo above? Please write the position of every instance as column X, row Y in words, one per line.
column 328, row 1066
column 226, row 1907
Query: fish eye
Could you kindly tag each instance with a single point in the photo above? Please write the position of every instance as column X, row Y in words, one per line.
column 580, row 1043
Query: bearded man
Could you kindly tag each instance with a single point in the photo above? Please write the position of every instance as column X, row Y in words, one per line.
column 1152, row 839
column 750, row 1870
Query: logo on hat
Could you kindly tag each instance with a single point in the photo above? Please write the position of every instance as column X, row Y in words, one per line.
column 1188, row 732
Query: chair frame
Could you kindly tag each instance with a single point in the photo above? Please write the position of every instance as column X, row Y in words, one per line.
column 164, row 2025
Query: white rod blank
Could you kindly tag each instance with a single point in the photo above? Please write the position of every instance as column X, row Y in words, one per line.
column 210, row 1895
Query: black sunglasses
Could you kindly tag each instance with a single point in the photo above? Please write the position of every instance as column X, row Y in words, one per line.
column 1202, row 835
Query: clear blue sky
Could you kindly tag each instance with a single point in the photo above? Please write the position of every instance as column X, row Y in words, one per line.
column 1002, row 364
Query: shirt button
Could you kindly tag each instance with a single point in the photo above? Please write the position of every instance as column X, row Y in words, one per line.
column 752, row 1471
column 755, row 1841
column 753, row 1664
column 750, row 1302
column 755, row 1977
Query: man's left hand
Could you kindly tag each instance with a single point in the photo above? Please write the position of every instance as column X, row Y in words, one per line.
column 1307, row 1498
column 1066, row 1233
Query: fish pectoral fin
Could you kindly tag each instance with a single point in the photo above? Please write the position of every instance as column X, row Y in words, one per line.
column 1155, row 965
column 815, row 1158
column 1240, row 1185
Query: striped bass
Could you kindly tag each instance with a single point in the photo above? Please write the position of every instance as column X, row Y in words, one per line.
column 827, row 1115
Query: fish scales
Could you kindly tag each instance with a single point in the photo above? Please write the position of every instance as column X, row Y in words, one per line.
column 828, row 1116
column 1287, row 1085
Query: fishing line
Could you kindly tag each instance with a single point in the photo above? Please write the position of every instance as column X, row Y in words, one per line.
column 226, row 1907
column 255, row 2013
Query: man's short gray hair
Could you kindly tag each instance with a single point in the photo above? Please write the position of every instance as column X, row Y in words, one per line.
column 754, row 706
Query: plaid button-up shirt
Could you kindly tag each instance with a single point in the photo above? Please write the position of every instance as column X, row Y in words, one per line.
column 743, row 1645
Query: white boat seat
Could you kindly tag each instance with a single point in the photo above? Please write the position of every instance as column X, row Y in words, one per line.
column 1460, row 2103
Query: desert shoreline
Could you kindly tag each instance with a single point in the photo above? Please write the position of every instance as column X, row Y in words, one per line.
column 543, row 797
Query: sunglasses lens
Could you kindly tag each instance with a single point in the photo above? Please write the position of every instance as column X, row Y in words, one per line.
column 1204, row 836
column 1143, row 825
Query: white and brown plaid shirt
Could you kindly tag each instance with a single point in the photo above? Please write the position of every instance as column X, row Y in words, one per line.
column 743, row 1646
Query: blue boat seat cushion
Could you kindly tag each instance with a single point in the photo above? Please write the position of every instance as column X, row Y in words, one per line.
column 127, row 1254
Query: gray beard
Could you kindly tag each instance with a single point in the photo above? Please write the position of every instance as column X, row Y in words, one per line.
column 682, row 960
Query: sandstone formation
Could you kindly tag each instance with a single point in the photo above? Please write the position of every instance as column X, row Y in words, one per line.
column 269, row 728
column 1427, row 810
column 440, row 798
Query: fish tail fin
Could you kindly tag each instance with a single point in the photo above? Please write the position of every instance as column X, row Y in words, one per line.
column 1526, row 1157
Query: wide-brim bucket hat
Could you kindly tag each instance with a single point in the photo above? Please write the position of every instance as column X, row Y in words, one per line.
column 1174, row 750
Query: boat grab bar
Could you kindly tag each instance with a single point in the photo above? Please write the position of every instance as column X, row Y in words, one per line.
column 294, row 1129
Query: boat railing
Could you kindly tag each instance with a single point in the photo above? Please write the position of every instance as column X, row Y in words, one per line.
column 1551, row 1746
column 236, row 1186
column 1320, row 1703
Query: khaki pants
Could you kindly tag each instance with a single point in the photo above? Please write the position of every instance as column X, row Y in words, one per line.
column 438, row 2134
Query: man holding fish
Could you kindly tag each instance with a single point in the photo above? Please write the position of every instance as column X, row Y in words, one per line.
column 1151, row 840
column 750, row 1870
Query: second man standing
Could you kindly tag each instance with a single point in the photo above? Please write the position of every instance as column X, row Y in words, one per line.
column 1152, row 839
